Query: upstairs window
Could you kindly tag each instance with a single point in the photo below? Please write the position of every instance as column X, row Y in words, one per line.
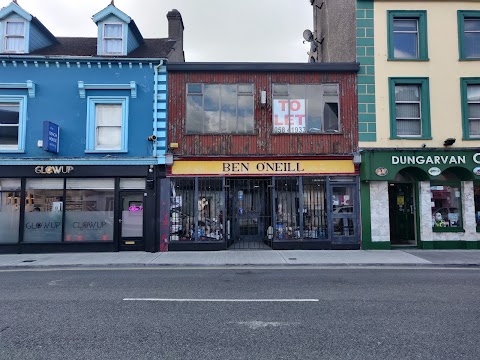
column 108, row 127
column 14, row 37
column 469, row 35
column 304, row 108
column 407, row 35
column 409, row 108
column 9, row 122
column 219, row 109
column 107, row 119
column 471, row 108
column 113, row 38
column 473, row 98
column 12, row 123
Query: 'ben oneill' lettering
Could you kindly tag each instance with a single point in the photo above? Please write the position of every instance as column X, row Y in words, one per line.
column 239, row 167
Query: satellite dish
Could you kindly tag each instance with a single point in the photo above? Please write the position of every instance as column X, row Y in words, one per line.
column 307, row 35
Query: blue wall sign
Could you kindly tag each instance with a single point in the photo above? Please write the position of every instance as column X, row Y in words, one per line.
column 51, row 137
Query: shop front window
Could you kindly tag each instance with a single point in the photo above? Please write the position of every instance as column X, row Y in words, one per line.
column 43, row 210
column 476, row 190
column 314, row 214
column 287, row 207
column 182, row 210
column 9, row 210
column 89, row 209
column 446, row 206
column 210, row 205
column 342, row 208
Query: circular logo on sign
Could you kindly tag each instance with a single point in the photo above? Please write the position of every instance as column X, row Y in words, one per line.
column 434, row 171
column 476, row 171
column 381, row 171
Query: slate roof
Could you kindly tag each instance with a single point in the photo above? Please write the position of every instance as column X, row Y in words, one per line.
column 75, row 46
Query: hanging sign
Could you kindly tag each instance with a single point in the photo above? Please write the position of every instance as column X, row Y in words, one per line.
column 51, row 137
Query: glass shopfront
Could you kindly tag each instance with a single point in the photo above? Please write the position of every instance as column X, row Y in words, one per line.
column 89, row 209
column 64, row 210
column 289, row 209
column 43, row 210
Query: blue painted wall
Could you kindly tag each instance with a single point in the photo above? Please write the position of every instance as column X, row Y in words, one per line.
column 57, row 99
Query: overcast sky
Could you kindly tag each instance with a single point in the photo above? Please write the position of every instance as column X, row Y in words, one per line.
column 215, row 30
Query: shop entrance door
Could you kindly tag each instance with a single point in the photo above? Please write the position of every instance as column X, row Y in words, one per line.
column 131, row 221
column 344, row 214
column 249, row 213
column 402, row 214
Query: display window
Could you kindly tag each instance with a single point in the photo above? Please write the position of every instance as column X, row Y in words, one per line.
column 446, row 204
column 314, row 209
column 197, row 210
column 89, row 209
column 287, row 209
column 476, row 190
column 43, row 210
column 182, row 210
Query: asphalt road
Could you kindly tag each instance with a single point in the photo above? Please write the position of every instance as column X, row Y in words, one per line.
column 324, row 314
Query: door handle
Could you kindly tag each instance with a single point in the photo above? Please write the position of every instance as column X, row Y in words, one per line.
column 120, row 221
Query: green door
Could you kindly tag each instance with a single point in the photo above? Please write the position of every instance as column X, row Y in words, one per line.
column 402, row 214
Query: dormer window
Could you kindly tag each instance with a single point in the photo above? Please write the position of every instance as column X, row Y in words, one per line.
column 14, row 37
column 113, row 39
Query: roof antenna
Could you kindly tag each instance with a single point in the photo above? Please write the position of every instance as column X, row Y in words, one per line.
column 112, row 2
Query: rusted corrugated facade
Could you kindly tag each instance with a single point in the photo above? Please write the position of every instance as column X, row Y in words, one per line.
column 263, row 141
column 278, row 182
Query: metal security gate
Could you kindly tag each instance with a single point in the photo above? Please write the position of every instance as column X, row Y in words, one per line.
column 249, row 213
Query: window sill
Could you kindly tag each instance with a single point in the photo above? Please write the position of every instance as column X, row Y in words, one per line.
column 106, row 151
column 312, row 133
column 469, row 59
column 417, row 59
column 7, row 151
column 222, row 134
column 409, row 138
column 471, row 139
column 448, row 229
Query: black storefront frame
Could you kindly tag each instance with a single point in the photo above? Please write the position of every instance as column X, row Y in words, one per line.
column 148, row 172
column 330, row 181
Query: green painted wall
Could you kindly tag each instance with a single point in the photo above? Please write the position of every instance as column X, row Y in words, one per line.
column 366, row 75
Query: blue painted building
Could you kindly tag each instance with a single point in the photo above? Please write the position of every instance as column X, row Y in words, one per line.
column 83, row 144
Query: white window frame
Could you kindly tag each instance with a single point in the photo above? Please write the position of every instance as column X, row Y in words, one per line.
column 106, row 38
column 6, row 36
column 93, row 101
column 22, row 115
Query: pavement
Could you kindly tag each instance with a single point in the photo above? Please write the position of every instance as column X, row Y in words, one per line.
column 409, row 258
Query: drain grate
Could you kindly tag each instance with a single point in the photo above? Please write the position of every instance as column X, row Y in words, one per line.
column 292, row 258
column 29, row 260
